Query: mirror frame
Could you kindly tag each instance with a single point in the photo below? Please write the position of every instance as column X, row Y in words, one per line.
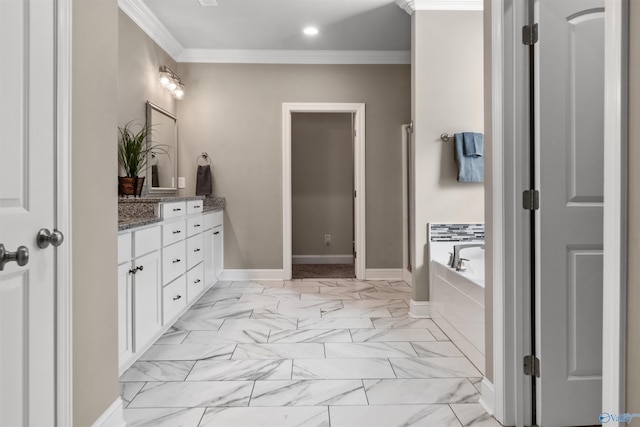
column 162, row 190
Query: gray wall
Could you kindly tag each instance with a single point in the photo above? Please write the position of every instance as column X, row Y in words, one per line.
column 139, row 59
column 94, row 192
column 633, row 296
column 234, row 112
column 447, row 75
column 322, row 183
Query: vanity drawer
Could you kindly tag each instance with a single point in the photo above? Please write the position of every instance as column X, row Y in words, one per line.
column 213, row 219
column 194, row 206
column 194, row 250
column 173, row 209
column 147, row 240
column 195, row 225
column 195, row 282
column 173, row 232
column 174, row 299
column 124, row 248
column 174, row 262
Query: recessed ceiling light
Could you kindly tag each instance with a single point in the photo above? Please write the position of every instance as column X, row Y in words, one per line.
column 208, row 2
column 310, row 31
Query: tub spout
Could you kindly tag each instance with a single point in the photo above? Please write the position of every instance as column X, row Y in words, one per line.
column 456, row 252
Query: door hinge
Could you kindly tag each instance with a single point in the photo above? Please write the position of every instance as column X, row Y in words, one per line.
column 355, row 193
column 531, row 366
column 531, row 200
column 355, row 254
column 530, row 34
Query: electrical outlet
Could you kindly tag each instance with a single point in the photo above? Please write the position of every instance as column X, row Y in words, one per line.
column 181, row 182
column 327, row 239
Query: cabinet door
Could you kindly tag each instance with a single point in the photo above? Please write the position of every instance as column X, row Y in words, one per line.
column 209, row 272
column 218, row 246
column 124, row 312
column 147, row 300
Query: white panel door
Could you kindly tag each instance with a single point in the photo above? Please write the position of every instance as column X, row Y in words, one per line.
column 570, row 129
column 27, row 146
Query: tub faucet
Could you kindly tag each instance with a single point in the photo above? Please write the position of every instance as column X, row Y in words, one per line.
column 455, row 259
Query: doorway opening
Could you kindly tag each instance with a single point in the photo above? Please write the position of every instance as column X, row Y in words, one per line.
column 317, row 213
column 322, row 190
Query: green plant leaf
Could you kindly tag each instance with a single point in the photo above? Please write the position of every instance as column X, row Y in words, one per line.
column 135, row 148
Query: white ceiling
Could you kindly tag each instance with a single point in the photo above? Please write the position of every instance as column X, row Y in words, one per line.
column 278, row 24
column 270, row 31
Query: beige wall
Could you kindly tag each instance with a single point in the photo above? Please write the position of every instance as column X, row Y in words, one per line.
column 94, row 136
column 633, row 296
column 447, row 74
column 234, row 112
column 139, row 59
column 322, row 183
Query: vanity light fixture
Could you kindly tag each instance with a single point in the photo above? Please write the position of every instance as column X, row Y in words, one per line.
column 171, row 81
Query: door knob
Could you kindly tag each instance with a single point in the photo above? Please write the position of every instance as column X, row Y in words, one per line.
column 46, row 238
column 21, row 256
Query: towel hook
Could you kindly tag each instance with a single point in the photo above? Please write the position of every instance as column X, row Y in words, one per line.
column 204, row 156
column 446, row 137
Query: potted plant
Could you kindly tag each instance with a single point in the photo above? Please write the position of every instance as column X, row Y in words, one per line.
column 133, row 151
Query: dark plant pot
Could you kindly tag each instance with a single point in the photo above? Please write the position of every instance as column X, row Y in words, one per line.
column 130, row 186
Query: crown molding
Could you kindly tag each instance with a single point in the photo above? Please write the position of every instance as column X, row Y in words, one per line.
column 150, row 24
column 245, row 56
column 411, row 6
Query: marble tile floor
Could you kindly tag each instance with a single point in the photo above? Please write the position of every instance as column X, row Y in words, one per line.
column 317, row 352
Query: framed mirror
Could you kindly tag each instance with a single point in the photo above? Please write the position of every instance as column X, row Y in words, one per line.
column 162, row 169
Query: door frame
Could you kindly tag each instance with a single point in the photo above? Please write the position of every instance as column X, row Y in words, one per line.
column 407, row 129
column 64, row 296
column 510, row 168
column 358, row 109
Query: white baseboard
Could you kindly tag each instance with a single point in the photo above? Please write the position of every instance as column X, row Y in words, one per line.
column 113, row 416
column 407, row 277
column 383, row 274
column 322, row 259
column 487, row 396
column 420, row 309
column 237, row 275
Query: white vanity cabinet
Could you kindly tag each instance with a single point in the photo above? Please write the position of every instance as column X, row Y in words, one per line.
column 213, row 247
column 139, row 273
column 162, row 270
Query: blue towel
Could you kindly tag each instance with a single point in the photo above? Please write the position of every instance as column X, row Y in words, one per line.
column 470, row 168
column 473, row 144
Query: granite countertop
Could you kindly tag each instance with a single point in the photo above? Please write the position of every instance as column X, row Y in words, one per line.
column 140, row 211
column 129, row 222
column 164, row 199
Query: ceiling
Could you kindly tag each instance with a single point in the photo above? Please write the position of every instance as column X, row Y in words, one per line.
column 278, row 24
column 354, row 31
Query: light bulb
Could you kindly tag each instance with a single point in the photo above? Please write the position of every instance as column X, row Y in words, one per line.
column 172, row 85
column 165, row 79
column 179, row 92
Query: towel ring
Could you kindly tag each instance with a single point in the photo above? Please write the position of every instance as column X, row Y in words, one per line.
column 446, row 137
column 205, row 158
